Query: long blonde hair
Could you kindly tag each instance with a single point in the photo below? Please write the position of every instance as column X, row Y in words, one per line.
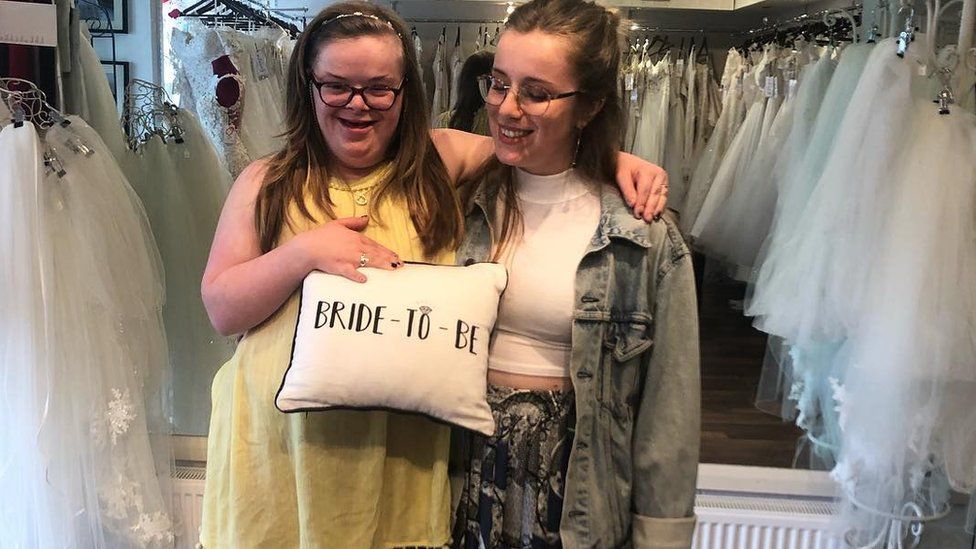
column 419, row 177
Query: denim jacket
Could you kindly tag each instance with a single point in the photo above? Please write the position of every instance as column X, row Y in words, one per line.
column 634, row 369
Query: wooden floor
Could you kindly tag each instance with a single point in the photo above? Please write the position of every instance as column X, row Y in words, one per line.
column 734, row 431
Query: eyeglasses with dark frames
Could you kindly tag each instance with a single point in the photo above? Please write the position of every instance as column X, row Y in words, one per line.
column 340, row 94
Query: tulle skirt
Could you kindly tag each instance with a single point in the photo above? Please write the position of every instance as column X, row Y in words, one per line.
column 87, row 462
column 804, row 160
column 821, row 103
column 674, row 158
column 27, row 507
column 845, row 209
column 734, row 232
column 183, row 187
column 707, row 164
column 908, row 435
column 735, row 164
column 873, row 293
column 652, row 124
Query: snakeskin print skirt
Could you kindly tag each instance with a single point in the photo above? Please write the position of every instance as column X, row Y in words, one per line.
column 513, row 495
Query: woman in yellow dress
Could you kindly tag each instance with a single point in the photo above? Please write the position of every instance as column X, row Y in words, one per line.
column 361, row 175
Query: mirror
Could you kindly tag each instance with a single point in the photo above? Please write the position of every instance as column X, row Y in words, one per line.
column 734, row 430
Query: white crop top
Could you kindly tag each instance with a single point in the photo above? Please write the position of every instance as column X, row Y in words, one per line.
column 533, row 334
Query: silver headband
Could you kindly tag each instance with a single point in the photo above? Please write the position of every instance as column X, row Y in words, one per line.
column 361, row 14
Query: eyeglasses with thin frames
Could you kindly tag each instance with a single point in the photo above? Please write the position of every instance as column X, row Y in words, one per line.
column 532, row 99
column 340, row 94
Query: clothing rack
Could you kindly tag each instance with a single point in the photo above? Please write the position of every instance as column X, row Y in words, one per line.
column 284, row 12
column 485, row 39
column 149, row 112
column 799, row 20
column 247, row 5
column 27, row 102
column 471, row 21
column 247, row 12
column 664, row 30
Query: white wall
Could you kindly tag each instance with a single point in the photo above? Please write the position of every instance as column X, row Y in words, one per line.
column 137, row 46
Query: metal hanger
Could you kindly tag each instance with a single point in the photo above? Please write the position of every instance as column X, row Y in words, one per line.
column 28, row 103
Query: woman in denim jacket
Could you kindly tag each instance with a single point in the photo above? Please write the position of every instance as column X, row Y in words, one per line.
column 593, row 371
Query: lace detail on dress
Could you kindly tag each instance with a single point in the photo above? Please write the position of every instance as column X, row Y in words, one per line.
column 840, row 398
column 796, row 390
column 119, row 497
column 120, row 413
column 192, row 51
column 154, row 528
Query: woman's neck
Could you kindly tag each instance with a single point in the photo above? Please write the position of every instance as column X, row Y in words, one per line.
column 554, row 167
column 349, row 174
column 550, row 189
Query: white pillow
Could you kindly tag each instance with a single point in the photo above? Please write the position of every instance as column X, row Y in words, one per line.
column 414, row 339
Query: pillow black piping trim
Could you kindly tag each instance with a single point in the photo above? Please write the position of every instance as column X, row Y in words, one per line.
column 291, row 360
column 294, row 338
column 435, row 419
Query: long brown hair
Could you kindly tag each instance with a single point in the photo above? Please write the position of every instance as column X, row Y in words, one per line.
column 469, row 100
column 594, row 33
column 419, row 178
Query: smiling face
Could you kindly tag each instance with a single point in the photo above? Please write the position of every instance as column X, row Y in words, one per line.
column 358, row 136
column 539, row 144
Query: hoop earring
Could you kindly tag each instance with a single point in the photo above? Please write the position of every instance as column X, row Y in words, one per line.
column 579, row 137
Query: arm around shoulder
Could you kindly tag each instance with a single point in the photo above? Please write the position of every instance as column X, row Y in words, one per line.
column 462, row 153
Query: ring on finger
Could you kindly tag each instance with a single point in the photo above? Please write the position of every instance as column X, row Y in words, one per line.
column 363, row 259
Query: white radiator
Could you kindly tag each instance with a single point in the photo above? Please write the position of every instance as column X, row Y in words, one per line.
column 732, row 521
column 725, row 520
column 188, row 504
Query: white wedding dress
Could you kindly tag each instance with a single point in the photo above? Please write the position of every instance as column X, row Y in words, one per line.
column 252, row 128
column 804, row 160
column 908, row 431
column 708, row 162
column 652, row 123
column 740, row 153
column 183, row 199
column 84, row 458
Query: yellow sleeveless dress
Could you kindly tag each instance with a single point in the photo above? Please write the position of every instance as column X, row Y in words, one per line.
column 342, row 479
